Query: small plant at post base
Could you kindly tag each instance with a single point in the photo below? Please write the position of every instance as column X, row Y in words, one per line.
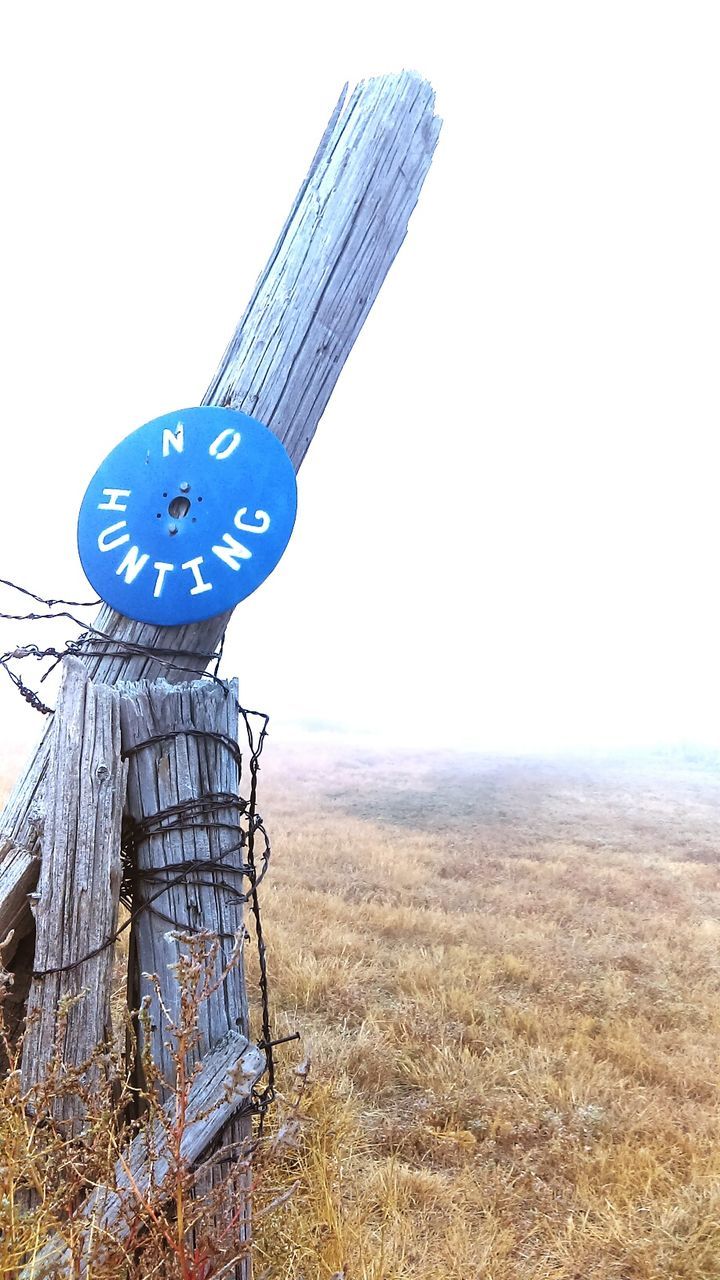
column 121, row 1203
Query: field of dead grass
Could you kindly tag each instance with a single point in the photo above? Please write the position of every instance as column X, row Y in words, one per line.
column 507, row 976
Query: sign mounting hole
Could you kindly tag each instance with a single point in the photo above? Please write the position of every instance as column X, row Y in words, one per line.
column 179, row 507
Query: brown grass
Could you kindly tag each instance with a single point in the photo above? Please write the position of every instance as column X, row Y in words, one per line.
column 507, row 976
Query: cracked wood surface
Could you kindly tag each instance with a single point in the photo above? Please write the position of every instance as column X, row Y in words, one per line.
column 79, row 886
column 166, row 773
column 163, row 775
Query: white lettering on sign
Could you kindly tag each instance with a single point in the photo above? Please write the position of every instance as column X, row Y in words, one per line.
column 175, row 438
column 132, row 564
column 262, row 516
column 113, row 504
column 233, row 552
column 103, row 543
column 162, row 569
column 200, row 585
column 233, row 439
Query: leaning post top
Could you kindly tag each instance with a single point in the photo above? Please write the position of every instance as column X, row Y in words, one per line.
column 343, row 231
column 310, row 302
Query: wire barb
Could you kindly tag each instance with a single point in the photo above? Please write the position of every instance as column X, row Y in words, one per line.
column 91, row 643
column 245, row 860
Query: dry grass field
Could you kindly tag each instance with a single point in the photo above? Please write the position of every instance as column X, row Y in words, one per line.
column 507, row 977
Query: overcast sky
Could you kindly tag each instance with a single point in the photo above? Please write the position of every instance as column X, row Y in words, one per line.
column 508, row 520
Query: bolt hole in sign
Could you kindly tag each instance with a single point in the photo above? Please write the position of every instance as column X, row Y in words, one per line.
column 187, row 516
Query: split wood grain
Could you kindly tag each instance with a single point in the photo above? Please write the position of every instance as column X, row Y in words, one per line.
column 79, row 887
column 221, row 1087
column 338, row 243
column 176, row 768
column 179, row 767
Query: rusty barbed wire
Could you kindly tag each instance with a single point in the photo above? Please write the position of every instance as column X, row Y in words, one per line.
column 201, row 812
column 90, row 643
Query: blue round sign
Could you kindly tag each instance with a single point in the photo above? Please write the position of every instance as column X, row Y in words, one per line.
column 187, row 516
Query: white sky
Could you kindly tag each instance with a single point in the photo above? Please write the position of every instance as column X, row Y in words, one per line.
column 508, row 520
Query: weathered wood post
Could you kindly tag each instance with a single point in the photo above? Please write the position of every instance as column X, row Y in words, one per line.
column 79, row 887
column 183, row 801
column 342, row 234
column 184, row 804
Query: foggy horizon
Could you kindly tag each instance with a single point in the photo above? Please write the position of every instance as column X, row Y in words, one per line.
column 506, row 534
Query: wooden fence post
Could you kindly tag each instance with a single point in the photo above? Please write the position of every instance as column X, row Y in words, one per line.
column 340, row 238
column 181, row 745
column 79, row 888
column 183, row 801
column 338, row 243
